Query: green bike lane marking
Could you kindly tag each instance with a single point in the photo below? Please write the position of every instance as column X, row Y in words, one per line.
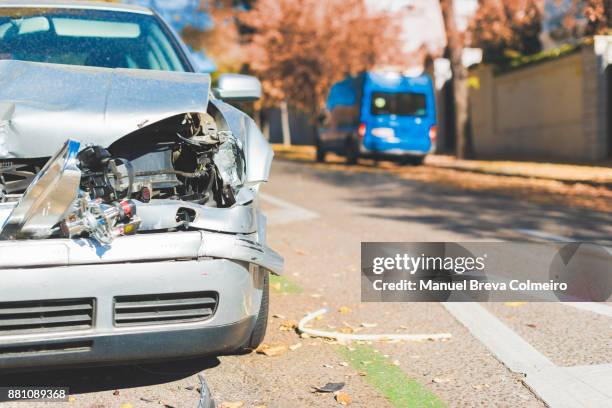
column 280, row 284
column 388, row 379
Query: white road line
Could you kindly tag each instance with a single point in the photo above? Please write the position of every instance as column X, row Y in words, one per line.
column 598, row 308
column 510, row 348
column 542, row 235
column 286, row 212
column 586, row 386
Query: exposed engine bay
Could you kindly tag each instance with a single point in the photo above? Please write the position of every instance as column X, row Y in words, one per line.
column 177, row 162
column 198, row 169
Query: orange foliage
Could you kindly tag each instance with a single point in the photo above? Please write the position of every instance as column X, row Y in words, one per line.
column 299, row 48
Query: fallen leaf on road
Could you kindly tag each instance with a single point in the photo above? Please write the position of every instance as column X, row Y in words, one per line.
column 344, row 310
column 294, row 347
column 147, row 399
column 330, row 387
column 362, row 373
column 116, row 392
column 278, row 316
column 480, row 386
column 346, row 330
column 328, row 366
column 301, row 252
column 369, row 325
column 319, row 318
column 533, row 326
column 343, row 364
column 343, row 398
column 237, row 404
column 288, row 325
column 271, row 350
column 514, row 304
column 440, row 380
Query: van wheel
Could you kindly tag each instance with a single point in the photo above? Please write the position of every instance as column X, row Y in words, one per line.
column 412, row 160
column 261, row 323
column 320, row 152
column 352, row 151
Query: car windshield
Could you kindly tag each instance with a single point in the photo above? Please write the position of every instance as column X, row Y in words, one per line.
column 398, row 103
column 98, row 38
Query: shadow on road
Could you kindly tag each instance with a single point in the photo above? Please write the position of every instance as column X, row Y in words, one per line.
column 483, row 215
column 94, row 379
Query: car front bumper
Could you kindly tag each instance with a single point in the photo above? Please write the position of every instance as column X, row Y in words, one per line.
column 230, row 265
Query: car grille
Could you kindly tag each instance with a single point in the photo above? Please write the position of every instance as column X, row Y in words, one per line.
column 164, row 308
column 40, row 316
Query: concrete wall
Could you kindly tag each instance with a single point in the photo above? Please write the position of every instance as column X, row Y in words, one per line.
column 552, row 110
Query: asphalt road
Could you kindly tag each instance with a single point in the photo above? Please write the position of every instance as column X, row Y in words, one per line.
column 317, row 220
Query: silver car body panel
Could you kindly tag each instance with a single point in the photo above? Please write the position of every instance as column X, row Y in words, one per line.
column 105, row 342
column 92, row 105
column 87, row 5
column 138, row 248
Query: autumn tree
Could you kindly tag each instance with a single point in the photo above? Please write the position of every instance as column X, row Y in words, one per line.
column 224, row 42
column 455, row 42
column 595, row 15
column 507, row 28
column 299, row 48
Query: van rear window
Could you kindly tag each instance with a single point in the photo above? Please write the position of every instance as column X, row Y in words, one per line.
column 398, row 103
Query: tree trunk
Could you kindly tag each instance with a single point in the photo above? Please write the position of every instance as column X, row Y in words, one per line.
column 285, row 124
column 464, row 147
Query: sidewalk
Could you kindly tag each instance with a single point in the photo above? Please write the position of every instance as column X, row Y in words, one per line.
column 594, row 175
column 580, row 186
column 565, row 173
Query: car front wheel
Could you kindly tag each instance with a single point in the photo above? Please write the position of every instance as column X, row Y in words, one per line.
column 259, row 331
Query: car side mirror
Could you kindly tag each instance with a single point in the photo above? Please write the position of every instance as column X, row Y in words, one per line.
column 237, row 87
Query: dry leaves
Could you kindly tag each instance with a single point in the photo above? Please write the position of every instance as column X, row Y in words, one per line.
column 344, row 310
column 514, row 304
column 343, row 398
column 271, row 350
column 236, row 404
column 288, row 325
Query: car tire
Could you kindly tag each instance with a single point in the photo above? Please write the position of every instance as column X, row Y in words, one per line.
column 352, row 151
column 412, row 160
column 320, row 152
column 261, row 323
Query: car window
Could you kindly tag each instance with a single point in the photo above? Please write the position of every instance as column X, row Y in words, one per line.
column 100, row 38
column 398, row 103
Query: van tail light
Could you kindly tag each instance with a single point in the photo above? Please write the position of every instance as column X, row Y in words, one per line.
column 433, row 133
column 362, row 130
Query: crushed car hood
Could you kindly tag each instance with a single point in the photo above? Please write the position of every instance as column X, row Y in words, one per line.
column 43, row 104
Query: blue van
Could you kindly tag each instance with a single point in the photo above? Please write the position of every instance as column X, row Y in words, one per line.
column 380, row 115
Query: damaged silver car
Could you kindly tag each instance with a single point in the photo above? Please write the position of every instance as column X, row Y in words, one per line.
column 130, row 227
